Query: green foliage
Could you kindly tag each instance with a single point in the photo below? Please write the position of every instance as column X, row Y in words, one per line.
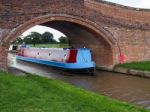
column 48, row 37
column 37, row 38
column 34, row 38
column 51, row 45
column 37, row 94
column 63, row 40
column 144, row 65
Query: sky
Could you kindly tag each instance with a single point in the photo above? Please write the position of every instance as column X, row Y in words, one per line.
column 132, row 3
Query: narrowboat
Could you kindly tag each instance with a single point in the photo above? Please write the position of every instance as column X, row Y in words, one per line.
column 79, row 59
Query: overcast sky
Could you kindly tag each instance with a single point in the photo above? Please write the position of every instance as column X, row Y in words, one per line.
column 133, row 3
column 57, row 34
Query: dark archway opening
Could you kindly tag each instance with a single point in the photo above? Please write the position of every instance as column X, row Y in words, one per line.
column 81, row 33
column 81, row 36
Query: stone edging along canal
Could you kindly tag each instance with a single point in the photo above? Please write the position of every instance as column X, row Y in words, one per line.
column 122, row 70
column 132, row 72
column 127, row 71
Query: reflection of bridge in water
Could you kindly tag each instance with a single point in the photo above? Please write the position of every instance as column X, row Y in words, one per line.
column 122, row 87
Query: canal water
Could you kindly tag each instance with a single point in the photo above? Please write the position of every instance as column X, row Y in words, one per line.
column 131, row 89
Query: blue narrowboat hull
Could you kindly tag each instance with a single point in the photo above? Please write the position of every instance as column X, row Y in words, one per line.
column 88, row 66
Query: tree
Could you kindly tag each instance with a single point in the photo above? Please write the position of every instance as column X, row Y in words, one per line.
column 33, row 38
column 27, row 40
column 37, row 38
column 63, row 40
column 48, row 38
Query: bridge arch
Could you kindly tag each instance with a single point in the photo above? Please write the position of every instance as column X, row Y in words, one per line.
column 60, row 17
column 102, row 51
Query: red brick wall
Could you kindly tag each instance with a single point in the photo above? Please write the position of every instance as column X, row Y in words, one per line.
column 130, row 26
column 131, row 17
column 113, row 26
column 134, row 43
column 3, row 57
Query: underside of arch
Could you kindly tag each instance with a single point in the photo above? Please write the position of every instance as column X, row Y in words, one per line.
column 81, row 32
column 67, row 18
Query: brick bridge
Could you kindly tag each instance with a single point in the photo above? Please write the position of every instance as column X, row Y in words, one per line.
column 108, row 29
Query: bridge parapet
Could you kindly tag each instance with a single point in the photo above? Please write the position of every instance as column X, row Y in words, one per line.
column 127, row 16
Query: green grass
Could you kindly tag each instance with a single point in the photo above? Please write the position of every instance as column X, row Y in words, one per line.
column 51, row 45
column 37, row 94
column 144, row 66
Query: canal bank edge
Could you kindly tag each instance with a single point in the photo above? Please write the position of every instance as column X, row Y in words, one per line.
column 89, row 101
column 126, row 71
column 132, row 72
column 122, row 70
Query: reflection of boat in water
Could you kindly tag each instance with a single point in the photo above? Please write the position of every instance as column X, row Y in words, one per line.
column 69, row 59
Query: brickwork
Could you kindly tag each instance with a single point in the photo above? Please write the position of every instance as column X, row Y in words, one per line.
column 121, row 15
column 108, row 29
column 3, row 57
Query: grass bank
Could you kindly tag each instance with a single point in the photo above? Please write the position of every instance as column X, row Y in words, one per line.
column 39, row 94
column 144, row 66
column 51, row 45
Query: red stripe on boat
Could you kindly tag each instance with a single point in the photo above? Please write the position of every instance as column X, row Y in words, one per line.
column 21, row 52
column 72, row 56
